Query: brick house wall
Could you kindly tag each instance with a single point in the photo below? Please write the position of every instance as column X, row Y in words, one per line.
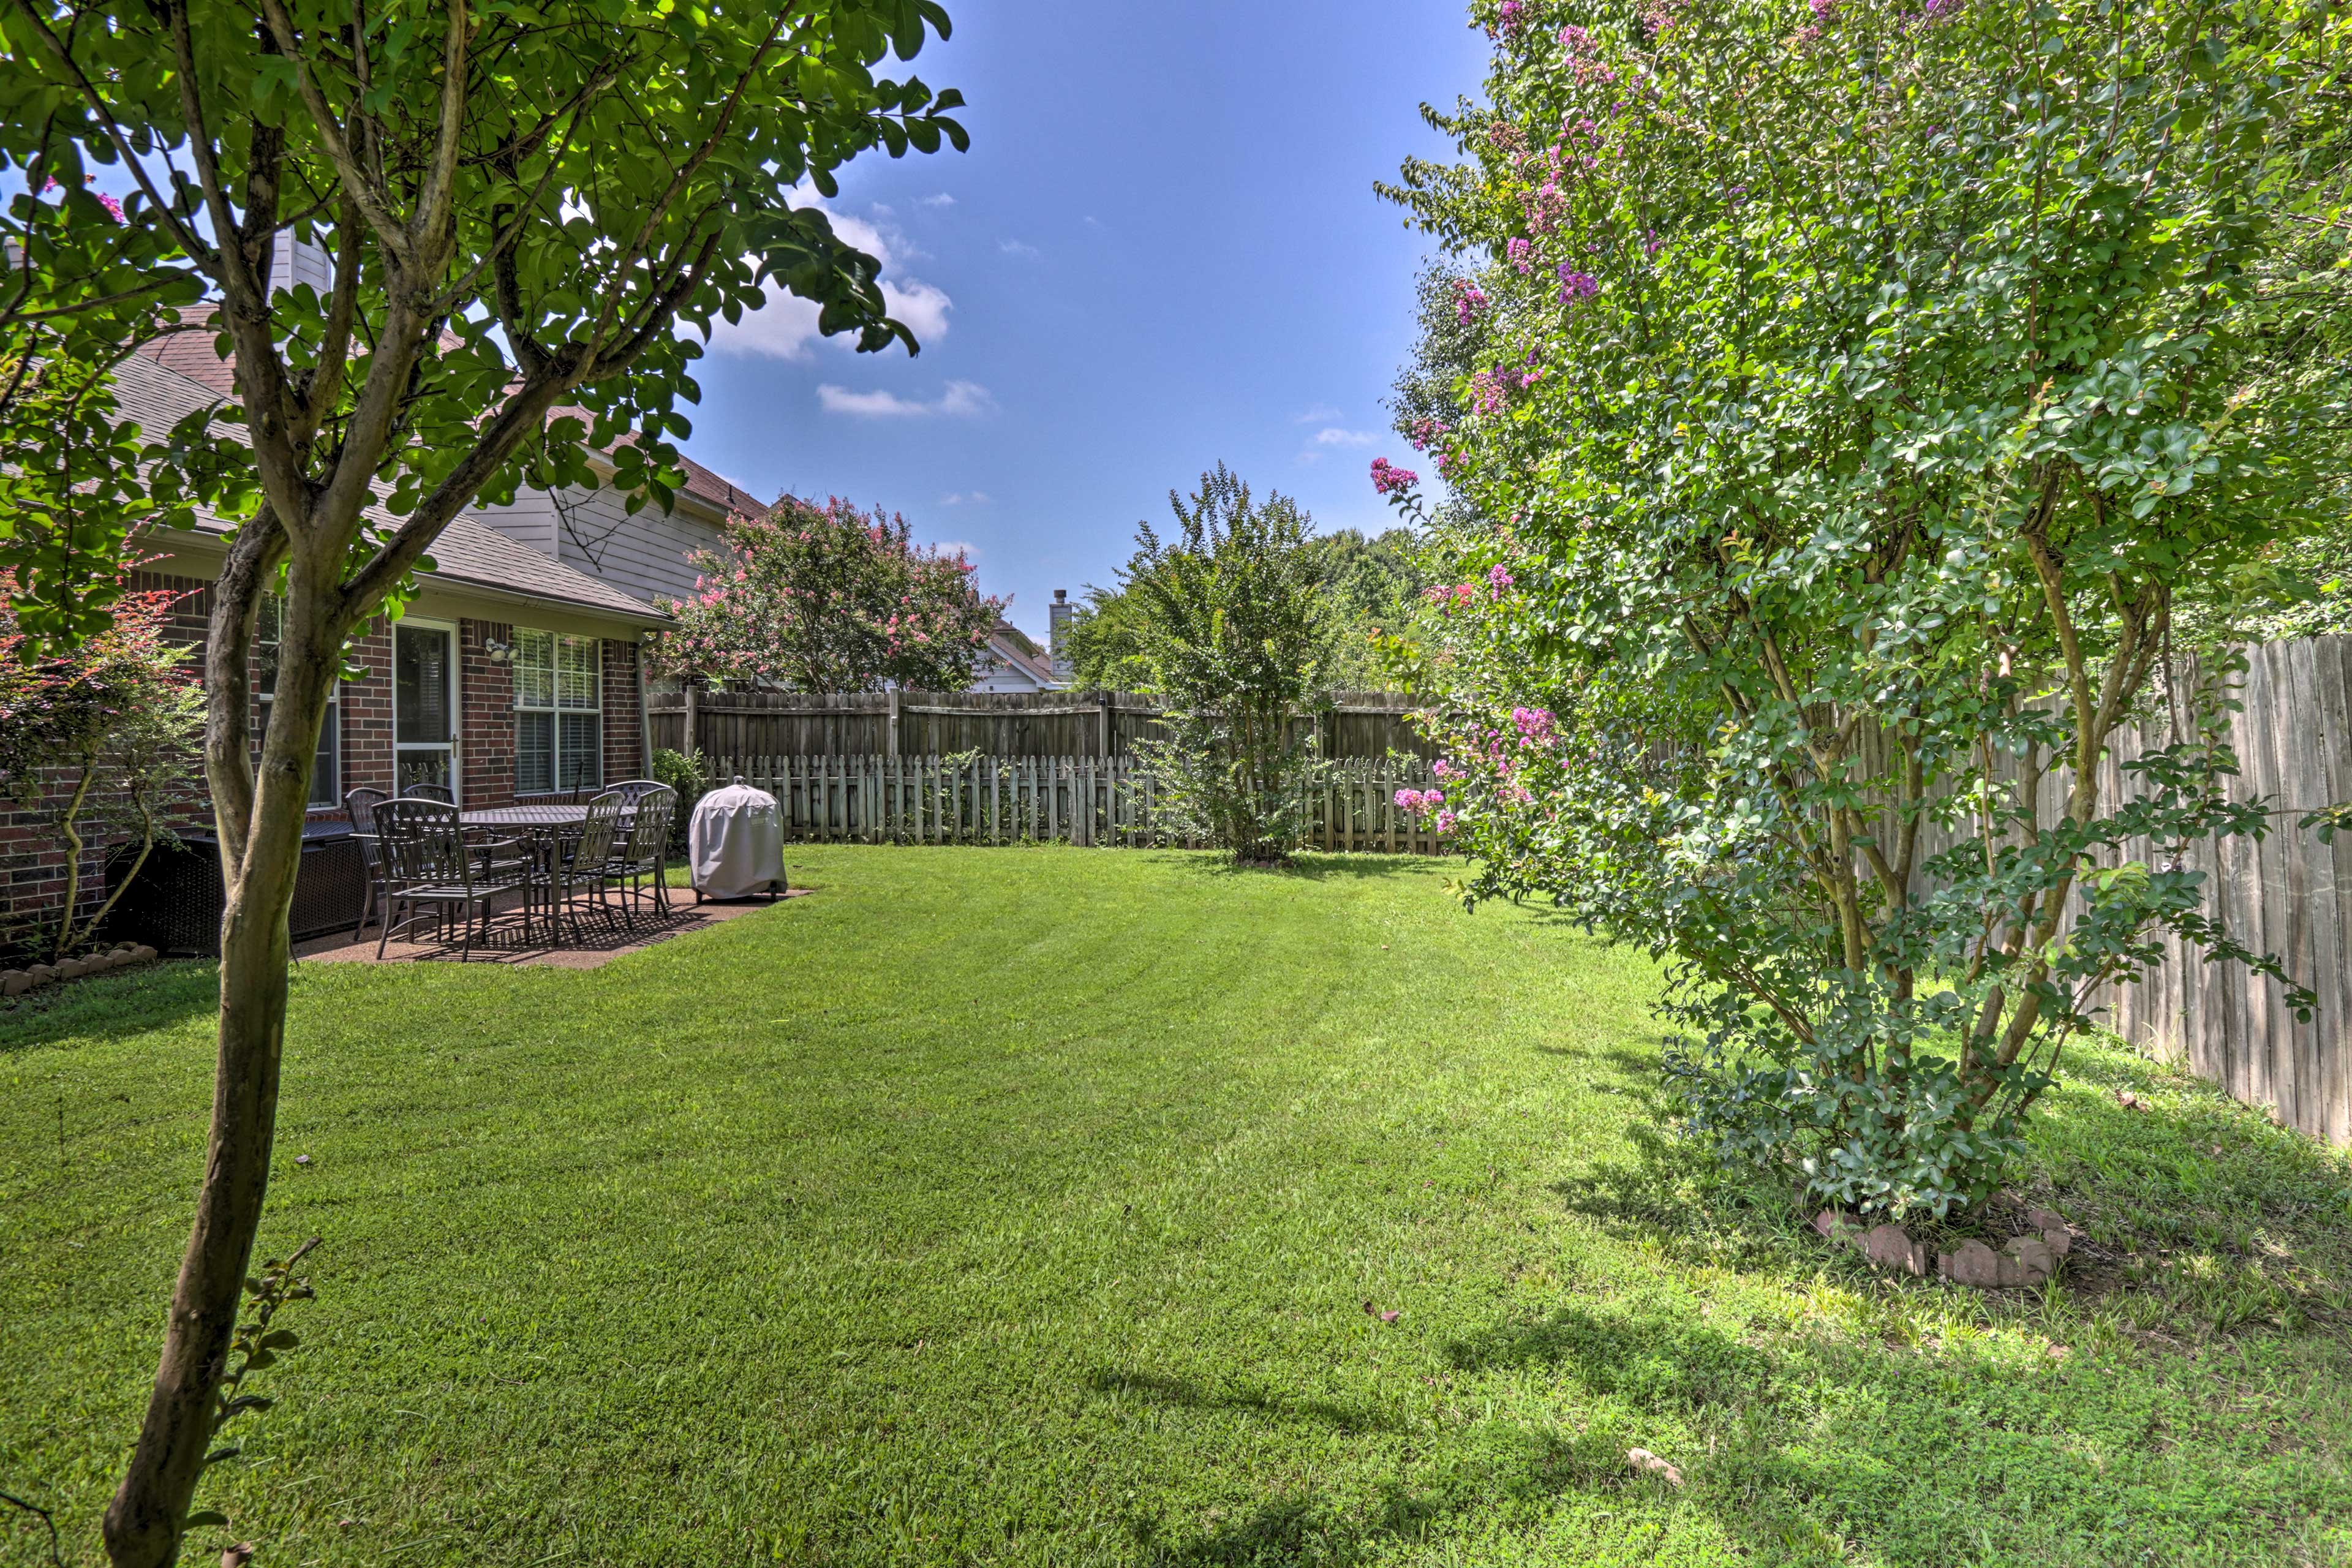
column 624, row 756
column 32, row 864
column 486, row 726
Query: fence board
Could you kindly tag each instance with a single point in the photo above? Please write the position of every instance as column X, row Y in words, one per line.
column 1086, row 801
column 1360, row 724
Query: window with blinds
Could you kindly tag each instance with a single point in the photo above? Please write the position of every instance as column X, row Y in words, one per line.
column 558, row 712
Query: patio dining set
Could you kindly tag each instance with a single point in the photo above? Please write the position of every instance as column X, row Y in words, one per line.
column 433, row 863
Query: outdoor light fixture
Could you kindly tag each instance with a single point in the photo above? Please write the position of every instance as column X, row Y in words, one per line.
column 499, row 652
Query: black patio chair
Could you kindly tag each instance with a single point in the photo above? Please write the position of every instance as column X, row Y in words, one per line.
column 632, row 790
column 429, row 791
column 359, row 805
column 585, row 859
column 431, row 869
column 645, row 851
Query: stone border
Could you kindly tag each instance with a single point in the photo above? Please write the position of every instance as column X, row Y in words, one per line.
column 2026, row 1260
column 16, row 982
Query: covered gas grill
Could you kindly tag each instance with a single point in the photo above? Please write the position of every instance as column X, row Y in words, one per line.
column 735, row 843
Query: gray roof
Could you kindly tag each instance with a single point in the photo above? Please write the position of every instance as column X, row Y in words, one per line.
column 467, row 550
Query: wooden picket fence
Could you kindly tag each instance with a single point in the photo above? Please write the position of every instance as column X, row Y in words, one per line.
column 1091, row 801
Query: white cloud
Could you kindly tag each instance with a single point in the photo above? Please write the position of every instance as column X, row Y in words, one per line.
column 785, row 326
column 962, row 399
column 1332, row 435
column 1014, row 247
column 954, row 547
column 977, row 497
column 1321, row 414
column 941, row 200
column 1093, row 221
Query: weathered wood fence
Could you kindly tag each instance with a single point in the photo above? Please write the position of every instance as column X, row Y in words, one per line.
column 980, row 799
column 2284, row 893
column 1359, row 724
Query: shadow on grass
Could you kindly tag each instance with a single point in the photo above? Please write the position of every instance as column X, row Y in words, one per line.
column 1159, row 1389
column 125, row 1001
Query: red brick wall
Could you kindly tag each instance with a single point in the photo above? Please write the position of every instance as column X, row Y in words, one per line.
column 625, row 755
column 364, row 708
column 486, row 714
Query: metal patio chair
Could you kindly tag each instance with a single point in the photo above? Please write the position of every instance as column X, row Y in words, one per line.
column 585, row 859
column 645, row 851
column 359, row 805
column 433, row 873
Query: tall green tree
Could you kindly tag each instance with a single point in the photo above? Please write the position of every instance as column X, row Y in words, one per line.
column 1228, row 621
column 528, row 205
column 1860, row 393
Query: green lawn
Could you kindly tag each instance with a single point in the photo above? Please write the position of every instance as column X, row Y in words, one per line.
column 1022, row 1207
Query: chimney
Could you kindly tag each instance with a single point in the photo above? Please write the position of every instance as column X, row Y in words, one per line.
column 1057, row 636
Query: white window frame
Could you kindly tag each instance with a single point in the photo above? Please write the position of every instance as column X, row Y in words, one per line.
column 326, row 768
column 573, row 708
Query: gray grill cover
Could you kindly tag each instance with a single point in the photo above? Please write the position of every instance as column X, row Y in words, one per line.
column 735, row 845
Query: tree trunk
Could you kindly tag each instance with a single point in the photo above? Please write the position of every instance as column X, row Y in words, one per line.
column 144, row 1522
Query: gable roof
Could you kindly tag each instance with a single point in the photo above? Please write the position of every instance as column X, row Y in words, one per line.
column 191, row 354
column 157, row 395
column 1017, row 649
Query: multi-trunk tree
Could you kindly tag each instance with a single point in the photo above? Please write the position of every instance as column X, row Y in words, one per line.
column 1846, row 402
column 528, row 205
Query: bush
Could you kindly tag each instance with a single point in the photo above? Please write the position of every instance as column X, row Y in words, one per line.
column 1844, row 421
column 1229, row 625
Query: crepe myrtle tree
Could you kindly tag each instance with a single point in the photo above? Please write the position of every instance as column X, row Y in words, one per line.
column 1841, row 400
column 826, row 598
column 527, row 206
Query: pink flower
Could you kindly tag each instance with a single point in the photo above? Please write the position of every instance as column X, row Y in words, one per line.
column 1499, row 578
column 1442, row 769
column 1444, row 823
column 1520, row 253
column 1390, row 479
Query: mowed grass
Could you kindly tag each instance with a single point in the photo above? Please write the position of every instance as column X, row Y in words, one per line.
column 1022, row 1206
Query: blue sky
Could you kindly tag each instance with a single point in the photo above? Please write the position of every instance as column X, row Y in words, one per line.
column 1163, row 249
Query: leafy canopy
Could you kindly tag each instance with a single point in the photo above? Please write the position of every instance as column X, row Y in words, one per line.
column 1856, row 392
column 828, row 599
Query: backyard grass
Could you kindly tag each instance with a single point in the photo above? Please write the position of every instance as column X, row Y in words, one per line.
column 1024, row 1207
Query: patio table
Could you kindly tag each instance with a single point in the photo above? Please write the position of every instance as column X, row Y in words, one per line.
column 543, row 825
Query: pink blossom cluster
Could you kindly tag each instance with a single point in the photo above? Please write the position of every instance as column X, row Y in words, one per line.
column 1447, row 595
column 1508, row 20
column 1490, row 389
column 1419, row 799
column 1468, row 301
column 1390, row 479
column 1421, row 432
column 1499, row 578
column 1448, row 462
column 1535, row 725
column 1520, row 253
column 1575, row 285
column 1583, row 56
column 112, row 207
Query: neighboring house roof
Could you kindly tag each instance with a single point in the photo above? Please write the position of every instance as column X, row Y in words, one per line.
column 1015, row 647
column 153, row 390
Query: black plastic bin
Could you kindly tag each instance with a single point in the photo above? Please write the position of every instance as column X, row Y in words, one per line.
column 175, row 904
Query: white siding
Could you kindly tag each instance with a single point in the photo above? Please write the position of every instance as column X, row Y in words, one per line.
column 529, row 520
column 592, row 532
column 644, row 555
